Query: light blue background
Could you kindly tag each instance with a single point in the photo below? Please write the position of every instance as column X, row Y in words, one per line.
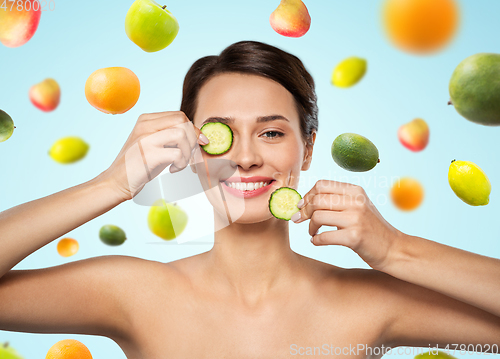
column 78, row 38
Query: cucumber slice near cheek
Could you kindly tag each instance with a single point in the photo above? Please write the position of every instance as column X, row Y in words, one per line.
column 220, row 136
column 283, row 203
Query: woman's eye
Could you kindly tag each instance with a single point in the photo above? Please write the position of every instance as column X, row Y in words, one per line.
column 275, row 134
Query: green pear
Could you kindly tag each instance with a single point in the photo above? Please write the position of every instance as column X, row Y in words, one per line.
column 6, row 126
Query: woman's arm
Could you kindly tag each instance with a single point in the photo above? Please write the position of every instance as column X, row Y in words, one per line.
column 30, row 226
column 468, row 277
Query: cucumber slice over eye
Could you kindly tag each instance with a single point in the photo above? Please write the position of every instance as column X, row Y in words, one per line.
column 283, row 203
column 220, row 136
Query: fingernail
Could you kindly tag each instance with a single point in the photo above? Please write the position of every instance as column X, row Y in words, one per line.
column 203, row 139
column 301, row 203
column 296, row 216
column 312, row 239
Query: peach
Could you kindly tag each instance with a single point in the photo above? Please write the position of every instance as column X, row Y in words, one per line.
column 45, row 95
column 18, row 24
column 290, row 18
column 414, row 135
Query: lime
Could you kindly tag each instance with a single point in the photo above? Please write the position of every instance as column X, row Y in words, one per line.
column 354, row 152
column 6, row 126
column 167, row 220
column 112, row 235
column 349, row 72
column 469, row 183
column 68, row 150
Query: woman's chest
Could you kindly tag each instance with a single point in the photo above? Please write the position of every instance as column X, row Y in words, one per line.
column 294, row 328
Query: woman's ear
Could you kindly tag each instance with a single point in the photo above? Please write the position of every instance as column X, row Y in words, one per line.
column 308, row 152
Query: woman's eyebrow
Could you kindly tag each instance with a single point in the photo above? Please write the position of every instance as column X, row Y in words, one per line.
column 230, row 120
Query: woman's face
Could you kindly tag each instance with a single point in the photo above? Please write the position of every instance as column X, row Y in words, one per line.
column 267, row 142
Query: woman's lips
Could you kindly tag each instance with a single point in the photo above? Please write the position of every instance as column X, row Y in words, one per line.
column 247, row 194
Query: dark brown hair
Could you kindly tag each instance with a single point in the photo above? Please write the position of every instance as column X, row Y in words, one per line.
column 257, row 58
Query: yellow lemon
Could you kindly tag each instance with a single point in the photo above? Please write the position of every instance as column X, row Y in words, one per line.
column 167, row 220
column 469, row 183
column 68, row 149
column 348, row 72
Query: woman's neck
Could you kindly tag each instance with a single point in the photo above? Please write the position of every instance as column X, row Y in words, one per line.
column 252, row 260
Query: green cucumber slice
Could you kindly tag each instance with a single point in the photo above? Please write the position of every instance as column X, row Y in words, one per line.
column 283, row 203
column 220, row 136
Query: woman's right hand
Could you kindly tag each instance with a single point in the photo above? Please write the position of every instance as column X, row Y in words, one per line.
column 156, row 141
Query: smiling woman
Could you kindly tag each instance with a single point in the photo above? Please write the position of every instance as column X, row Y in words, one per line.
column 251, row 295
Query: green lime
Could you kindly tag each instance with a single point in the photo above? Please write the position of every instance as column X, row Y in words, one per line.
column 354, row 152
column 469, row 183
column 112, row 235
column 6, row 126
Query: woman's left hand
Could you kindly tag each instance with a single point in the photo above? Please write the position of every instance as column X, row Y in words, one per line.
column 359, row 224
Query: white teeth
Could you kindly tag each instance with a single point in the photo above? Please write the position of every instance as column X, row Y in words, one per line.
column 247, row 186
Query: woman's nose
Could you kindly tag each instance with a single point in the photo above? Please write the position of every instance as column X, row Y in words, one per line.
column 245, row 153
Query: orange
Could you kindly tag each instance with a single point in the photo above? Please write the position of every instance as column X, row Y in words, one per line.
column 407, row 194
column 420, row 26
column 68, row 349
column 113, row 90
column 67, row 247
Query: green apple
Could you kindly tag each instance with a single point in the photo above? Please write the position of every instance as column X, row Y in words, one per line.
column 7, row 352
column 150, row 26
column 167, row 220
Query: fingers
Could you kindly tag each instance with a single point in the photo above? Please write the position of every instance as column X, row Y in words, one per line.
column 329, row 218
column 164, row 142
column 153, row 122
column 322, row 201
column 339, row 237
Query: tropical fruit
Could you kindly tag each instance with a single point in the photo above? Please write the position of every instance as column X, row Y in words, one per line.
column 67, row 247
column 8, row 352
column 290, row 18
column 469, row 182
column 475, row 89
column 420, row 26
column 6, row 126
column 414, row 135
column 18, row 24
column 68, row 349
column 166, row 220
column 68, row 149
column 113, row 90
column 112, row 235
column 349, row 72
column 407, row 194
column 45, row 95
column 354, row 152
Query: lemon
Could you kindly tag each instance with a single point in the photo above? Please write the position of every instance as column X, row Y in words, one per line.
column 167, row 220
column 349, row 71
column 469, row 183
column 68, row 149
